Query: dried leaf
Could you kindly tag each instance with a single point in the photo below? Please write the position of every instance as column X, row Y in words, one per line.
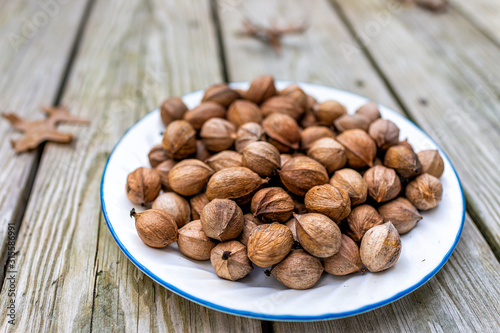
column 36, row 132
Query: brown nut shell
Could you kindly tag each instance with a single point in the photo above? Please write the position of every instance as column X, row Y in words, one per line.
column 369, row 110
column 224, row 159
column 298, row 95
column 380, row 248
column 155, row 228
column 236, row 183
column 218, row 134
column 360, row 148
column 346, row 261
column 404, row 160
column 406, row 143
column 285, row 158
column 189, row 177
column 351, row 181
column 329, row 153
column 222, row 219
column 309, row 119
column 158, row 154
column 385, row 133
column 403, row 215
column 328, row 200
column 272, row 204
column 202, row 153
column 310, row 134
column 247, row 134
column 262, row 158
column 193, row 242
column 241, row 112
column 175, row 205
column 198, row 202
column 282, row 104
column 248, row 226
column 351, row 121
column 292, row 225
column 180, row 139
column 268, row 244
column 383, row 183
column 318, row 234
column 283, row 130
column 300, row 207
column 424, row 192
column 203, row 112
column 249, row 216
column 143, row 185
column 171, row 109
column 328, row 111
column 432, row 163
column 241, row 92
column 261, row 89
column 362, row 219
column 230, row 260
column 302, row 173
column 299, row 270
column 163, row 170
column 312, row 103
column 220, row 94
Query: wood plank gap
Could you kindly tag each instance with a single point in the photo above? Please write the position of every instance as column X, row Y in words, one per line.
column 475, row 217
column 340, row 13
column 96, row 269
column 220, row 41
column 267, row 326
column 20, row 211
column 74, row 51
column 23, row 203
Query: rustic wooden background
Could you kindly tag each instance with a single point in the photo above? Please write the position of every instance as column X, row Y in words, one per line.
column 112, row 61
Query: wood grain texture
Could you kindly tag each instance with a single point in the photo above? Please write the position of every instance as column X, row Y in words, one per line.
column 311, row 57
column 463, row 297
column 34, row 56
column 71, row 274
column 454, row 299
column 483, row 14
column 448, row 82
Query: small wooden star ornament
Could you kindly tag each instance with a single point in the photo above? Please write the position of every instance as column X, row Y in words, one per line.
column 36, row 132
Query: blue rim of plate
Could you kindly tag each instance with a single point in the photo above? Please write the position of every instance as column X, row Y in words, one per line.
column 263, row 316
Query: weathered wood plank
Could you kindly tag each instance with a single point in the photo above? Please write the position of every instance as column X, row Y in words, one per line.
column 483, row 13
column 448, row 81
column 462, row 297
column 132, row 55
column 36, row 45
column 452, row 300
column 310, row 57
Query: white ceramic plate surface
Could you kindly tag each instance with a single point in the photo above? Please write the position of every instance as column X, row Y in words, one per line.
column 425, row 249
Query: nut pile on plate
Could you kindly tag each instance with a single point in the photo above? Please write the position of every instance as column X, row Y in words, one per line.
column 275, row 179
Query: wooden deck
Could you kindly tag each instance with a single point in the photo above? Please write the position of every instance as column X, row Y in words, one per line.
column 112, row 61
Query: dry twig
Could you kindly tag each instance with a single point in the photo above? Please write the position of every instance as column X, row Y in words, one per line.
column 270, row 36
column 433, row 5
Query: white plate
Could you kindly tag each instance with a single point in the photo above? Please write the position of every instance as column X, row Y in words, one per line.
column 425, row 249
